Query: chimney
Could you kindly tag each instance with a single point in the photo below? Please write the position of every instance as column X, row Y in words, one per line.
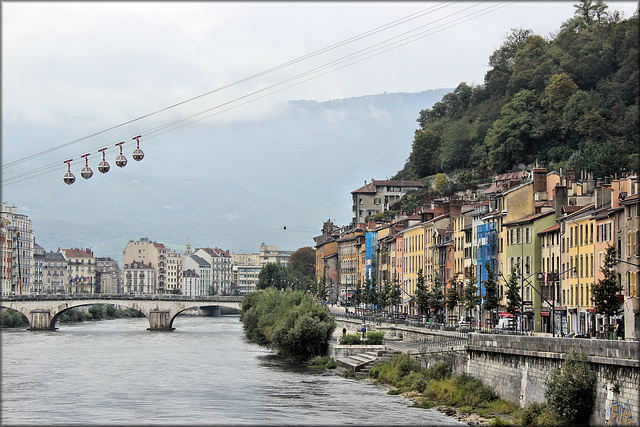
column 571, row 176
column 540, row 183
column 560, row 199
column 615, row 193
column 438, row 208
column 603, row 196
column 455, row 206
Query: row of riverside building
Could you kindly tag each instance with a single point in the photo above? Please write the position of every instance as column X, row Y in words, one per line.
column 555, row 228
column 149, row 267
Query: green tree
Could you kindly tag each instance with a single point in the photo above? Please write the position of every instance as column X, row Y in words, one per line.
column 491, row 300
column 305, row 260
column 357, row 297
column 441, row 183
column 422, row 296
column 453, row 293
column 604, row 293
column 558, row 91
column 395, row 296
column 436, row 293
column 512, row 136
column 289, row 322
column 469, row 296
column 422, row 158
column 571, row 391
column 271, row 275
column 514, row 300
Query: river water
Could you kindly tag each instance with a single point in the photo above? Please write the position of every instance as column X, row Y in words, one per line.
column 204, row 372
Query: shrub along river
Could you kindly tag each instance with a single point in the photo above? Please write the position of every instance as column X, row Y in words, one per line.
column 204, row 372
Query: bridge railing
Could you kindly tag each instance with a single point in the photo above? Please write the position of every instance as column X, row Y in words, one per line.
column 146, row 297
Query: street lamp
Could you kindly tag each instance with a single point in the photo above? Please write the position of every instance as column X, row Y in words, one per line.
column 555, row 277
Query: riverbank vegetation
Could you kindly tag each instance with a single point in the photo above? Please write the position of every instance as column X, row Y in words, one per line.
column 371, row 338
column 10, row 318
column 288, row 321
column 570, row 392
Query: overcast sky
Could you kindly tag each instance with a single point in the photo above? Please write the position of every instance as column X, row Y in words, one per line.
column 70, row 70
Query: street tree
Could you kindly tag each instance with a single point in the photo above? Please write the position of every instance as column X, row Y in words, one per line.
column 453, row 293
column 422, row 294
column 491, row 299
column 469, row 295
column 604, row 293
column 514, row 300
column 436, row 294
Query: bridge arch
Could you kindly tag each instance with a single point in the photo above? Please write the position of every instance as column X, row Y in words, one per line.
column 43, row 312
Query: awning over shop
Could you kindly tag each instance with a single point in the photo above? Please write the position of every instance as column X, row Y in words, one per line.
column 544, row 313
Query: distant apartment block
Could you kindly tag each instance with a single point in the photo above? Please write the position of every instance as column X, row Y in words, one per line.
column 17, row 251
column 139, row 278
column 153, row 254
column 378, row 195
column 271, row 254
column 81, row 270
column 108, row 276
column 55, row 273
column 220, row 275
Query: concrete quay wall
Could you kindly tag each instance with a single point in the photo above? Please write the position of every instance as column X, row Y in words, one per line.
column 516, row 366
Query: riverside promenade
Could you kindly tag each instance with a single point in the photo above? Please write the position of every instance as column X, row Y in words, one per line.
column 515, row 365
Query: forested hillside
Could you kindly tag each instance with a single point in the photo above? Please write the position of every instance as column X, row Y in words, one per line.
column 567, row 101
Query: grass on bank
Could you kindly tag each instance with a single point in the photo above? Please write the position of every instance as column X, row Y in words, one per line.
column 438, row 386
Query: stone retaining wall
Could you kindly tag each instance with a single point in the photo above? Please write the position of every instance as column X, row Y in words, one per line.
column 517, row 366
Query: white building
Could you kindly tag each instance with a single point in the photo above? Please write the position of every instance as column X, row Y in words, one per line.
column 202, row 269
column 174, row 272
column 139, row 278
column 189, row 283
column 271, row 254
column 378, row 196
column 220, row 262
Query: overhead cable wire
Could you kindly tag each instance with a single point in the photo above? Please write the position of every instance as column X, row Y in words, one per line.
column 243, row 80
column 355, row 57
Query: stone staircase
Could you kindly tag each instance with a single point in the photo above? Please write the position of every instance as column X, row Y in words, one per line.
column 360, row 364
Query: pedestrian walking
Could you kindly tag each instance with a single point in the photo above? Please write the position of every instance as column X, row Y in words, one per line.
column 364, row 331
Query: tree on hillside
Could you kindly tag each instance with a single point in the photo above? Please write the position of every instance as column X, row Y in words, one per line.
column 305, row 259
column 604, row 293
column 512, row 136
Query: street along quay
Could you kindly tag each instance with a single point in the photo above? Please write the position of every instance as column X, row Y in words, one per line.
column 514, row 365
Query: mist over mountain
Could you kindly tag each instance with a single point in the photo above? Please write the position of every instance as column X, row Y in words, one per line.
column 230, row 184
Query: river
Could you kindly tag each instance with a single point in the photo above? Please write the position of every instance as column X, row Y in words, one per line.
column 204, row 372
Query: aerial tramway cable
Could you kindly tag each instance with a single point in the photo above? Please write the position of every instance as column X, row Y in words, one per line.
column 332, row 66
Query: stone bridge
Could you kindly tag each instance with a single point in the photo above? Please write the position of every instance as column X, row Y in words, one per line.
column 43, row 310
